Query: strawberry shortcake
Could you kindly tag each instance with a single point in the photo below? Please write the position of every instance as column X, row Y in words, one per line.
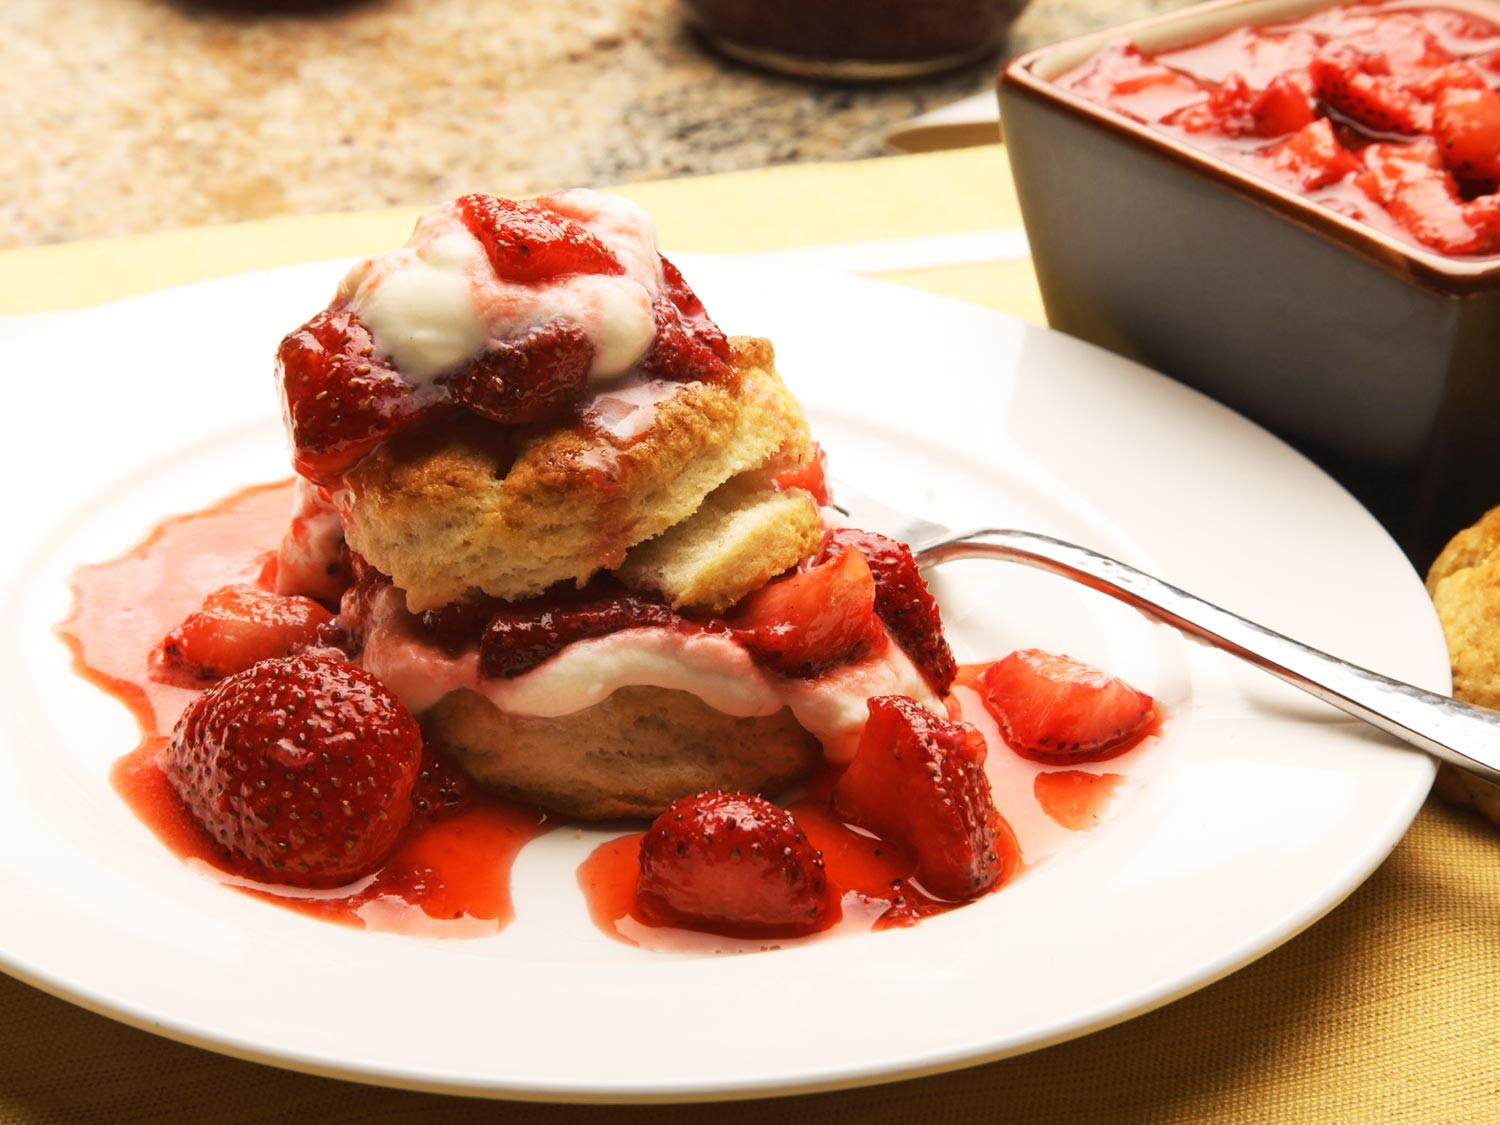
column 558, row 546
column 580, row 532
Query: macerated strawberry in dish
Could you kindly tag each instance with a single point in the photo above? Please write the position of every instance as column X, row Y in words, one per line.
column 1411, row 182
column 1055, row 709
column 1375, row 101
column 903, row 602
column 529, row 242
column 1313, row 156
column 734, row 864
column 1466, row 123
column 301, row 768
column 238, row 626
column 919, row 780
column 1236, row 110
column 340, row 398
column 811, row 620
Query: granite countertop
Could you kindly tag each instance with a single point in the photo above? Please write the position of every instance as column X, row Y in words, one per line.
column 130, row 116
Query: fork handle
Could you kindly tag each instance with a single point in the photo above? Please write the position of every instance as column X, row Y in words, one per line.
column 1465, row 736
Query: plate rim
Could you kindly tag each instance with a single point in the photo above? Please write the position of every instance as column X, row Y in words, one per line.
column 1378, row 848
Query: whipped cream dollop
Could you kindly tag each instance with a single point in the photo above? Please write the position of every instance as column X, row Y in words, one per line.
column 437, row 301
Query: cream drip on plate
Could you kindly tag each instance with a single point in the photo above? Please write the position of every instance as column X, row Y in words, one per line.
column 437, row 301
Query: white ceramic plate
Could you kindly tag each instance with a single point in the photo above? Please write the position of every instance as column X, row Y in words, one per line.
column 1258, row 810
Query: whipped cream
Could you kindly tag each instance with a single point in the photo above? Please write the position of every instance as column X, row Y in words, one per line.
column 437, row 301
column 713, row 667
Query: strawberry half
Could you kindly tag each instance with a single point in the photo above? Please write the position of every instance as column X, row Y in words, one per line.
column 903, row 603
column 1235, row 109
column 1466, row 123
column 688, row 344
column 528, row 242
column 301, row 768
column 1313, row 156
column 811, row 620
column 238, row 626
column 339, row 398
column 1058, row 710
column 919, row 781
column 1372, row 101
column 1410, row 181
column 536, row 378
column 733, row 864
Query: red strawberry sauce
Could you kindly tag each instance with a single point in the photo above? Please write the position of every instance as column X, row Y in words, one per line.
column 1076, row 799
column 1387, row 111
column 450, row 875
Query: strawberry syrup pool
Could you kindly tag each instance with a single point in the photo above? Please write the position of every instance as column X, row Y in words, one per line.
column 450, row 874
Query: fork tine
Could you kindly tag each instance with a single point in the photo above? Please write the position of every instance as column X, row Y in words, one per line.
column 870, row 514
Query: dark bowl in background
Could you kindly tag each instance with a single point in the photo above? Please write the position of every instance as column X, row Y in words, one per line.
column 855, row 40
column 1377, row 358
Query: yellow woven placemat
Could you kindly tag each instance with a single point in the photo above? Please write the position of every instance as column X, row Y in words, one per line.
column 1383, row 1011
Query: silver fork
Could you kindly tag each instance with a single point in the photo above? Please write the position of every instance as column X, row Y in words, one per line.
column 1465, row 736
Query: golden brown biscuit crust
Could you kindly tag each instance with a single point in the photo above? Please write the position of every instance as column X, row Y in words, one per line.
column 514, row 512
column 738, row 540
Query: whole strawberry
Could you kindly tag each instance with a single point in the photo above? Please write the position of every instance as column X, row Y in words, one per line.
column 301, row 767
column 735, row 864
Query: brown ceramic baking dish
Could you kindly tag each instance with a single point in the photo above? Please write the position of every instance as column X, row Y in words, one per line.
column 1378, row 358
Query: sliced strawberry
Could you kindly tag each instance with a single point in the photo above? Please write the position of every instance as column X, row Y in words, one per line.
column 812, row 475
column 528, row 242
column 236, row 627
column 688, row 344
column 1313, row 157
column 919, row 780
column 1282, row 107
column 1411, row 183
column 1059, row 710
column 523, row 635
column 811, row 620
column 340, row 399
column 536, row 378
column 1235, row 109
column 1374, row 102
column 734, row 864
column 1466, row 123
column 300, row 767
column 903, row 603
